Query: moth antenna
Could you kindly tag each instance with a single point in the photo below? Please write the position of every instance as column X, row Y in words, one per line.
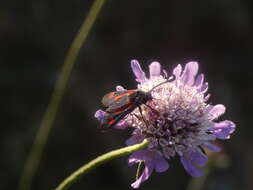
column 172, row 77
column 156, row 99
column 168, row 80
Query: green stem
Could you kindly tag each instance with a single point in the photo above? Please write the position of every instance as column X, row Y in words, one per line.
column 40, row 140
column 138, row 170
column 98, row 161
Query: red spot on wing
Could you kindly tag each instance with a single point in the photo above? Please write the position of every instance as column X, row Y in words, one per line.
column 113, row 97
column 128, row 93
column 123, row 108
column 111, row 122
column 112, row 118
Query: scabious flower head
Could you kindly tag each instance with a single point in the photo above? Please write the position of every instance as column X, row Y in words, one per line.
column 178, row 121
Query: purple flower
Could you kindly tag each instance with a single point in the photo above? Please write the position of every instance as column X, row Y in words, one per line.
column 153, row 159
column 178, row 121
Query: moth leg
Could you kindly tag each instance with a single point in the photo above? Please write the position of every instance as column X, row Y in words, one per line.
column 134, row 115
column 152, row 109
column 140, row 110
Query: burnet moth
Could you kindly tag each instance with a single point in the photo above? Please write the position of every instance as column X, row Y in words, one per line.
column 121, row 103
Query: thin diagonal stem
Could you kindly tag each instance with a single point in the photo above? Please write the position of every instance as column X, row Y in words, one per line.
column 40, row 140
column 98, row 161
column 138, row 170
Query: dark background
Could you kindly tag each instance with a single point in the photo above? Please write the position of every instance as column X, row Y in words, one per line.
column 34, row 38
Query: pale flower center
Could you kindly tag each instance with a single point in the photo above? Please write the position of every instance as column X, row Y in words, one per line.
column 175, row 121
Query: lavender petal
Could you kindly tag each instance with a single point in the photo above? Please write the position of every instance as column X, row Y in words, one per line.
column 121, row 125
column 153, row 159
column 177, row 71
column 154, row 69
column 191, row 159
column 216, row 111
column 199, row 80
column 212, row 147
column 206, row 98
column 197, row 157
column 223, row 129
column 203, row 88
column 192, row 170
column 145, row 175
column 120, row 88
column 136, row 157
column 189, row 73
column 138, row 72
column 135, row 139
column 161, row 165
column 99, row 115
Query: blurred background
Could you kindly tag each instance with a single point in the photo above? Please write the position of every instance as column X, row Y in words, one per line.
column 34, row 38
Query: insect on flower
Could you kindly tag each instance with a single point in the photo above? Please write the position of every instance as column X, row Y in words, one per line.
column 121, row 103
column 174, row 115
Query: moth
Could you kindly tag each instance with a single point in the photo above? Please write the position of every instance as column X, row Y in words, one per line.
column 120, row 103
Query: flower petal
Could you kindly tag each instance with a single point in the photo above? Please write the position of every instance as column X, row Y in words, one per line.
column 99, row 115
column 191, row 159
column 197, row 157
column 121, row 125
column 137, row 156
column 223, row 129
column 154, row 69
column 192, row 170
column 199, row 80
column 203, row 88
column 189, row 73
column 216, row 111
column 177, row 71
column 206, row 98
column 153, row 160
column 120, row 88
column 212, row 147
column 145, row 175
column 138, row 72
column 135, row 139
column 144, row 156
column 161, row 165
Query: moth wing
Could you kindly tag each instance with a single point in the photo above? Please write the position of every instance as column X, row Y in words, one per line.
column 117, row 99
column 112, row 118
column 120, row 106
column 112, row 97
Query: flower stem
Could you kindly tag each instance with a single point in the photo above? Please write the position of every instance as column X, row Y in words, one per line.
column 138, row 170
column 41, row 137
column 98, row 161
